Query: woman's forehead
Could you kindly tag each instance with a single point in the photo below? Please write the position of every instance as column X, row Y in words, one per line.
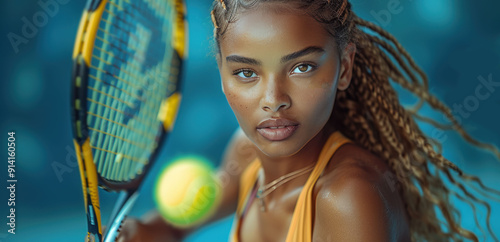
column 266, row 27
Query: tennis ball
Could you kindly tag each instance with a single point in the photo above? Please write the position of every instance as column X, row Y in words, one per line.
column 187, row 191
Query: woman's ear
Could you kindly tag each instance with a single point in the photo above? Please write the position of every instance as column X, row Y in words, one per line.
column 346, row 65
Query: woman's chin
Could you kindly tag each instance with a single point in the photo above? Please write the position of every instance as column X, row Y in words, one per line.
column 281, row 149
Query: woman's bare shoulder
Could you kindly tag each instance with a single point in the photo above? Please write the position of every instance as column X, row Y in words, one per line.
column 354, row 164
column 357, row 199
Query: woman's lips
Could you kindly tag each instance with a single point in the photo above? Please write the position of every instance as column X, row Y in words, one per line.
column 277, row 129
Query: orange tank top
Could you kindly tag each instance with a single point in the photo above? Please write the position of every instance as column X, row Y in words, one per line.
column 300, row 229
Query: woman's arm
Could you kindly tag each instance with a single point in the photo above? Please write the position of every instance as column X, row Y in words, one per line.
column 238, row 154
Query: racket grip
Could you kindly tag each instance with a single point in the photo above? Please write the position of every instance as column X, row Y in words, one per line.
column 122, row 207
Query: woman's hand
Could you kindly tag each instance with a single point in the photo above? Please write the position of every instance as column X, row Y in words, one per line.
column 134, row 230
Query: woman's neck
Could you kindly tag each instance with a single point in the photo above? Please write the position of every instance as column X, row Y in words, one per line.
column 275, row 167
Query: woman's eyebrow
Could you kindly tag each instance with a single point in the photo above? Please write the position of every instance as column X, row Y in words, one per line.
column 294, row 55
column 241, row 59
column 303, row 52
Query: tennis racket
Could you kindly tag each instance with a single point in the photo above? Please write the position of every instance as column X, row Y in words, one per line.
column 124, row 97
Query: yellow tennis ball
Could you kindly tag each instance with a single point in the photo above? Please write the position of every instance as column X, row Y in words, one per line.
column 187, row 191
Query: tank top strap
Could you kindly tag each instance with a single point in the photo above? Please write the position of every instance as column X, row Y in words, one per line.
column 247, row 181
column 301, row 225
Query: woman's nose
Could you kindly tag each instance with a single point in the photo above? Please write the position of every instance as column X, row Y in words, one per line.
column 275, row 96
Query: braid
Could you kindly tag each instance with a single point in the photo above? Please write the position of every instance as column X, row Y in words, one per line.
column 214, row 21
column 222, row 4
column 342, row 12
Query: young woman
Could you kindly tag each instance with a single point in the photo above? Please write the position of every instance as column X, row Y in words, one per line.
column 325, row 151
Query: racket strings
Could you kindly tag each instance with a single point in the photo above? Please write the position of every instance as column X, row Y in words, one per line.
column 122, row 61
column 118, row 88
column 106, row 169
column 123, row 21
column 141, row 10
column 169, row 88
column 140, row 145
column 114, row 65
column 121, row 70
column 136, row 159
column 138, row 10
column 129, row 81
column 119, row 130
column 100, row 142
column 133, row 36
column 140, row 120
column 118, row 69
column 130, row 105
column 150, row 137
column 128, row 23
column 160, row 76
column 106, row 72
column 129, row 64
column 132, row 16
column 121, row 50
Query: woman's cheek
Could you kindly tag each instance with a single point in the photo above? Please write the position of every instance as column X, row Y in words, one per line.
column 228, row 89
column 320, row 103
column 235, row 100
column 232, row 100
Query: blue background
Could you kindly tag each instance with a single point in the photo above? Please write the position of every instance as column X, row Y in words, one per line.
column 455, row 42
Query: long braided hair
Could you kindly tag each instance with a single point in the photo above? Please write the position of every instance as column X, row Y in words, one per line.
column 373, row 117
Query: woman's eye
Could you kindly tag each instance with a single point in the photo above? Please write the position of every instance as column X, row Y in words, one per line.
column 245, row 74
column 303, row 68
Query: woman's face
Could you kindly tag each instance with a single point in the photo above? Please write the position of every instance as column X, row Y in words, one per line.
column 279, row 73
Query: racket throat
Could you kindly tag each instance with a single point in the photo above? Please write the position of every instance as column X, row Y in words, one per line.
column 123, row 205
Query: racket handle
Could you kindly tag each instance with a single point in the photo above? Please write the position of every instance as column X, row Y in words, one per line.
column 125, row 202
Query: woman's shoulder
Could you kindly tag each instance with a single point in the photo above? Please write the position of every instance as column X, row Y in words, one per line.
column 357, row 198
column 353, row 163
column 355, row 175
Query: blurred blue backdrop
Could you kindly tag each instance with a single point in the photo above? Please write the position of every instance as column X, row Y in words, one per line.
column 455, row 42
